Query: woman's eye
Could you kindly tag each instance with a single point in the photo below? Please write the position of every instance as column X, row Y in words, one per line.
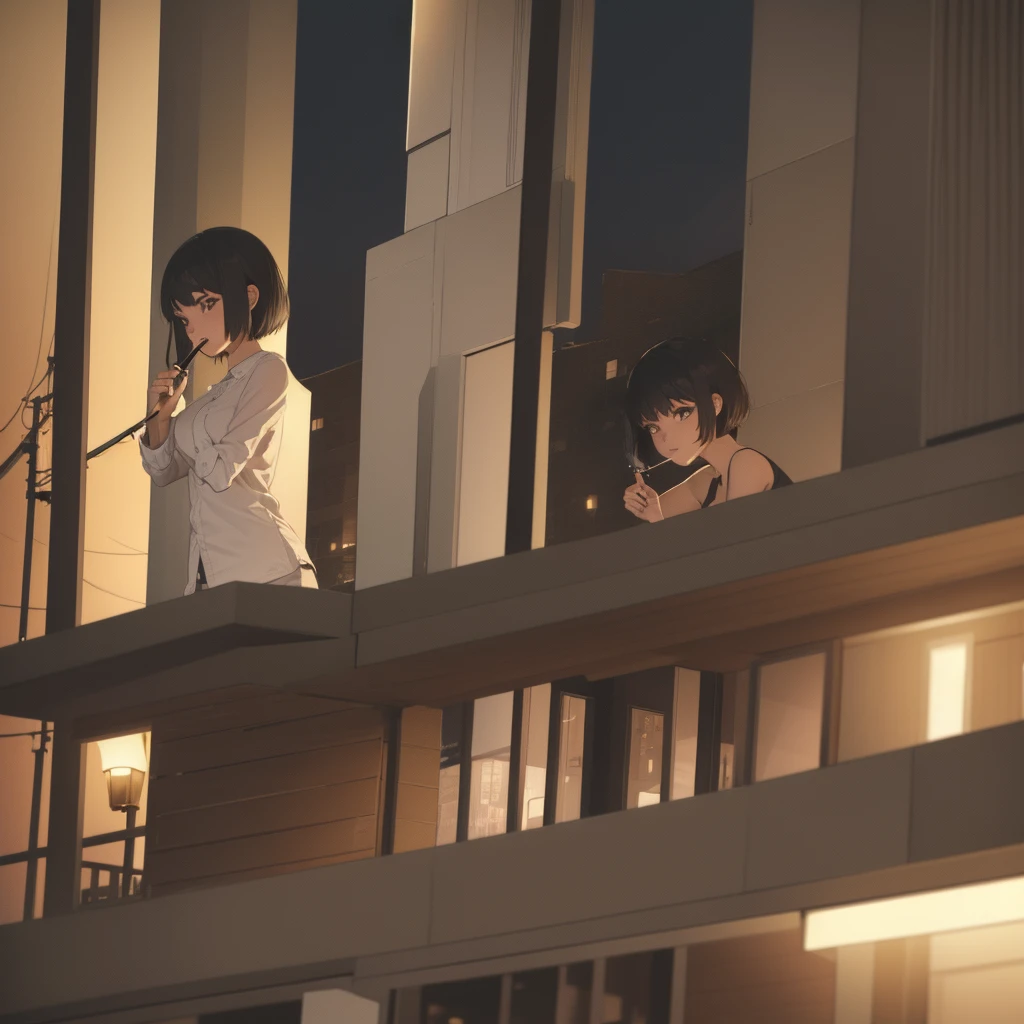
column 683, row 413
column 652, row 429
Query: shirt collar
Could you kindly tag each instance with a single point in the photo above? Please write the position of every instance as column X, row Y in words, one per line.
column 246, row 366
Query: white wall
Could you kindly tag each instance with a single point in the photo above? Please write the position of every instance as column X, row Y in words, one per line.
column 796, row 249
column 486, row 440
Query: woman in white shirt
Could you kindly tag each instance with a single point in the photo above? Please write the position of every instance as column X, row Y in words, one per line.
column 223, row 289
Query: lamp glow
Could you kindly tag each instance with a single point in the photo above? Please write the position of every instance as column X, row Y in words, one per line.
column 947, row 690
column 924, row 913
column 124, row 762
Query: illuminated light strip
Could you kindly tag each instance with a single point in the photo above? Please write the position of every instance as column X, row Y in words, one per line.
column 901, row 917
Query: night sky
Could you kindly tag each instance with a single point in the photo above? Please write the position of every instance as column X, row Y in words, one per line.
column 667, row 161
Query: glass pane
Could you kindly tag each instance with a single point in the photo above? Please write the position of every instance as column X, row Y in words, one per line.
column 760, row 978
column 575, row 983
column 18, row 747
column 448, row 780
column 646, row 742
column 790, row 701
column 570, row 758
column 534, row 994
column 491, row 749
column 629, row 996
column 728, row 739
column 475, row 1001
column 685, row 708
column 536, row 722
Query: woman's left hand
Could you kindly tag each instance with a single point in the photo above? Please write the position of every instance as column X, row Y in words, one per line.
column 643, row 501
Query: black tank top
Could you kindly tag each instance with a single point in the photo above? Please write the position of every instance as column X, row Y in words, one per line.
column 779, row 478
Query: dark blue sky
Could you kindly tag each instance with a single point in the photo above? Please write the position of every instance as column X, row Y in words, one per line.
column 667, row 161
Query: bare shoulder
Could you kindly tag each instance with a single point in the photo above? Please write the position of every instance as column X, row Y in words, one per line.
column 749, row 473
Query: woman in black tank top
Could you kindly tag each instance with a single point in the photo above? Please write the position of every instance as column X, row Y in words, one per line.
column 684, row 398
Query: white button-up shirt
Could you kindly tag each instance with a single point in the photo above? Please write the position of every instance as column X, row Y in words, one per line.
column 227, row 442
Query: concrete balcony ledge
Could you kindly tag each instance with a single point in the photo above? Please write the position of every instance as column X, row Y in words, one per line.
column 934, row 532
column 171, row 648
column 938, row 815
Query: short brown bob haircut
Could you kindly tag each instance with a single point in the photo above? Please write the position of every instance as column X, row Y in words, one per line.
column 226, row 261
column 686, row 370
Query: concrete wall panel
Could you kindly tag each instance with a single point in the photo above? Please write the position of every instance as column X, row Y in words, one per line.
column 803, row 79
column 426, row 189
column 830, row 822
column 430, row 69
column 796, row 265
column 481, row 260
column 545, row 879
column 800, row 432
column 398, row 323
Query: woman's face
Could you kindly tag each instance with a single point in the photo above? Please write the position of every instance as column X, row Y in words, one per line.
column 204, row 321
column 677, row 436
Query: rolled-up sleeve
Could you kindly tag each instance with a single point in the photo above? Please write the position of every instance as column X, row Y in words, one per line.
column 163, row 464
column 260, row 406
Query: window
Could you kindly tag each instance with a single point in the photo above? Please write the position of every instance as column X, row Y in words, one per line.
column 452, row 722
column 569, row 783
column 685, row 717
column 611, row 369
column 790, row 704
column 317, row 423
column 646, row 745
column 947, row 690
column 491, row 749
column 536, row 722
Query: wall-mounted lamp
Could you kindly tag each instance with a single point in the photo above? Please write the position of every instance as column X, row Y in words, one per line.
column 124, row 763
column 920, row 913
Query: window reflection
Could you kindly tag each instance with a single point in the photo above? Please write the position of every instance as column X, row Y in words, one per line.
column 685, row 711
column 646, row 742
column 536, row 721
column 534, row 995
column 491, row 749
column 569, row 793
column 791, row 698
column 452, row 723
column 636, row 988
column 474, row 1001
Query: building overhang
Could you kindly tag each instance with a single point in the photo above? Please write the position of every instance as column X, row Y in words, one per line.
column 935, row 532
column 913, row 820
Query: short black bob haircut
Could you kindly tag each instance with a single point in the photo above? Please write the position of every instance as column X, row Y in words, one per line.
column 225, row 261
column 687, row 370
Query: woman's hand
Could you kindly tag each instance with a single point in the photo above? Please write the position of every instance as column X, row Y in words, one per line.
column 162, row 396
column 643, row 501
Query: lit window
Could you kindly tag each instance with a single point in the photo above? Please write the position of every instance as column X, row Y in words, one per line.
column 317, row 424
column 591, row 502
column 947, row 690
column 611, row 369
column 334, row 545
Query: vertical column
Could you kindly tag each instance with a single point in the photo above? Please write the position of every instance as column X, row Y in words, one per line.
column 116, row 528
column 64, row 834
column 882, row 400
column 71, row 346
column 541, row 95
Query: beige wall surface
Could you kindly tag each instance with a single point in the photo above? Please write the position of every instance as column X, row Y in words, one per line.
column 797, row 244
column 117, row 492
column 32, row 38
column 892, row 671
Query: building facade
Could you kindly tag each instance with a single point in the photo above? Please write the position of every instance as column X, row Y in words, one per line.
column 758, row 762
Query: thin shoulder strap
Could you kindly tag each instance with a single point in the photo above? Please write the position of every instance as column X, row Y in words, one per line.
column 728, row 467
